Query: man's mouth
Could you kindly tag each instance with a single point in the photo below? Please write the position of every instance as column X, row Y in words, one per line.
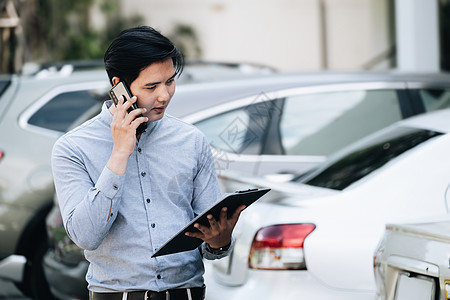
column 159, row 109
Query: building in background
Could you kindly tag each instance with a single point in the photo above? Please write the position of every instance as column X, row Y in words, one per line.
column 290, row 35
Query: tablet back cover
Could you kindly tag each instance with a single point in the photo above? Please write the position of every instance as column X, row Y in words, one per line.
column 181, row 242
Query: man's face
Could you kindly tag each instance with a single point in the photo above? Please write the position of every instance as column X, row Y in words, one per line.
column 154, row 87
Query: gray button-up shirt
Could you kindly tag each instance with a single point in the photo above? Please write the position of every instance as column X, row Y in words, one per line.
column 120, row 220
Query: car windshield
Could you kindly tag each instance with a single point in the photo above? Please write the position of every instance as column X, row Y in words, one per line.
column 357, row 164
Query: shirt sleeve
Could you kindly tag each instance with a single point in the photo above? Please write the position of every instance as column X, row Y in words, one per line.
column 88, row 208
column 218, row 254
column 207, row 192
column 206, row 186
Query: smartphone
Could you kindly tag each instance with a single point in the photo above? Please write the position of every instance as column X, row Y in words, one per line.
column 121, row 89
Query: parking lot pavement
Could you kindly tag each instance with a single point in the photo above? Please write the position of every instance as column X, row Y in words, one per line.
column 8, row 291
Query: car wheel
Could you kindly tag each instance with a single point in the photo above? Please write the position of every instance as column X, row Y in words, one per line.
column 35, row 284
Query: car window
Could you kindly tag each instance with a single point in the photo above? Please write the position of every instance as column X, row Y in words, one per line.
column 353, row 166
column 322, row 123
column 63, row 110
column 239, row 131
column 434, row 99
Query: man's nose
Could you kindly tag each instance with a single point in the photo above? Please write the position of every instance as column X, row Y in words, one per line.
column 164, row 94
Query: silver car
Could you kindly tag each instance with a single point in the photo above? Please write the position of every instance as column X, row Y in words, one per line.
column 270, row 125
column 35, row 109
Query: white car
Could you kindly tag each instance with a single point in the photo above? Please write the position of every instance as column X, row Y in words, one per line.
column 412, row 261
column 314, row 237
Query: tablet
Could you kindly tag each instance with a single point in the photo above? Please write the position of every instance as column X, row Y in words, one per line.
column 181, row 242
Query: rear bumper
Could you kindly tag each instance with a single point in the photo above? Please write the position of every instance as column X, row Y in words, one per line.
column 12, row 267
column 275, row 285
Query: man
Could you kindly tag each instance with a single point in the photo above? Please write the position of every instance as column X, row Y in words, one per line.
column 122, row 195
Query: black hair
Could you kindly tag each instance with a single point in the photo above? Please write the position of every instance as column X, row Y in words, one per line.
column 136, row 48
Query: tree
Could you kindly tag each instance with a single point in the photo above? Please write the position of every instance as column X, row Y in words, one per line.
column 48, row 31
column 54, row 30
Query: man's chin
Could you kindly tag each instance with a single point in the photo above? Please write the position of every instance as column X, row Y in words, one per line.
column 155, row 117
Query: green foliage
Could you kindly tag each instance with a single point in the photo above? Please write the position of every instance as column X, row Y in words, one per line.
column 185, row 38
column 66, row 33
column 59, row 30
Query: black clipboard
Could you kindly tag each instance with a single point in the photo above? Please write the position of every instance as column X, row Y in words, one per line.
column 181, row 242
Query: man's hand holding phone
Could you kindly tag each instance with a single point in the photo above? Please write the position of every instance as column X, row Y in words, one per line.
column 121, row 89
column 123, row 128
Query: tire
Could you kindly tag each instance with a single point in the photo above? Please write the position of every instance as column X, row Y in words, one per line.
column 35, row 284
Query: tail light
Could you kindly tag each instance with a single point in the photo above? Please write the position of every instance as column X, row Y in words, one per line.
column 2, row 154
column 280, row 247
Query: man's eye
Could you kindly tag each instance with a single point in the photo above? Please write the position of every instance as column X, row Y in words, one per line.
column 151, row 87
column 170, row 81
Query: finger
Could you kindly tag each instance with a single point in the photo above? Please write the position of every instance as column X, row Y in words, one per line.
column 240, row 209
column 212, row 222
column 194, row 234
column 138, row 121
column 124, row 105
column 201, row 228
column 223, row 214
column 119, row 112
column 237, row 213
column 135, row 114
column 129, row 103
column 120, row 101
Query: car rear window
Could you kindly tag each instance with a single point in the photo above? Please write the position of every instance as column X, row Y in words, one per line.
column 353, row 166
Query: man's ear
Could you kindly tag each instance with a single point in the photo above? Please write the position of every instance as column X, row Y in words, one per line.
column 115, row 80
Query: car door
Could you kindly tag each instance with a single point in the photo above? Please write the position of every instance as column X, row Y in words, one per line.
column 236, row 136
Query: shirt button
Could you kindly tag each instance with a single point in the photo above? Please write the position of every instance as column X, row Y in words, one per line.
column 139, row 150
column 148, row 200
column 115, row 186
column 153, row 225
column 143, row 174
column 158, row 276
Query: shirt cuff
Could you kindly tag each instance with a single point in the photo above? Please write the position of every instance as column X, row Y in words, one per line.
column 212, row 254
column 109, row 183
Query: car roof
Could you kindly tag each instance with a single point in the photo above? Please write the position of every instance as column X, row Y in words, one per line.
column 194, row 70
column 438, row 120
column 192, row 96
column 218, row 92
column 261, row 78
